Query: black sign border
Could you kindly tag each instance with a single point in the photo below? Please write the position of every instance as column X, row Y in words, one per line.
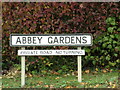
column 49, row 35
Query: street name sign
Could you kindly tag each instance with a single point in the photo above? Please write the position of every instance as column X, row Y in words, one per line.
column 51, row 40
column 23, row 40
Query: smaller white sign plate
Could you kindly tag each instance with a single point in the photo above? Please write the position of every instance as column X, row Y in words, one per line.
column 50, row 52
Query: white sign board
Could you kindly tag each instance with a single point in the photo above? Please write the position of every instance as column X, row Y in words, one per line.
column 51, row 40
column 50, row 52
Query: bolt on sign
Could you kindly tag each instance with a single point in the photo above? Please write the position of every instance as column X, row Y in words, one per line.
column 50, row 52
column 23, row 40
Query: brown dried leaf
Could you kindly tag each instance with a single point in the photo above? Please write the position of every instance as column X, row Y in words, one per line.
column 46, row 86
column 104, row 71
column 57, row 77
column 96, row 86
column 87, row 71
column 40, row 82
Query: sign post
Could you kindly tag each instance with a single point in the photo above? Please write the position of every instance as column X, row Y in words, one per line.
column 23, row 40
column 79, row 67
column 22, row 69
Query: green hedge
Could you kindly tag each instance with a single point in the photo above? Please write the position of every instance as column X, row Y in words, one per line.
column 105, row 51
column 100, row 19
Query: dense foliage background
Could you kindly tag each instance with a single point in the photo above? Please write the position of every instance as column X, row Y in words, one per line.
column 100, row 19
